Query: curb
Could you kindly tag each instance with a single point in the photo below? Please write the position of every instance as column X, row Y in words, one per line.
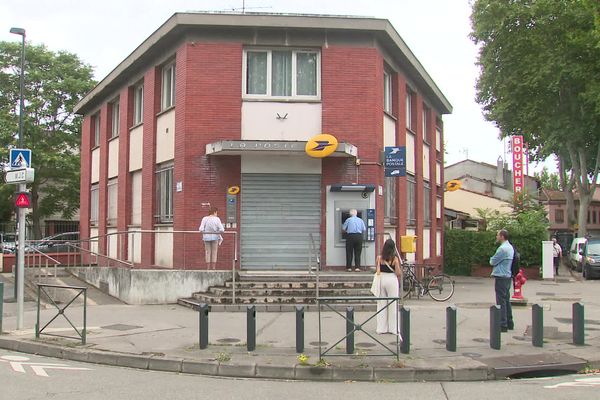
column 251, row 370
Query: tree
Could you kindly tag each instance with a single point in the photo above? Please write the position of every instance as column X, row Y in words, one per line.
column 54, row 83
column 548, row 180
column 540, row 78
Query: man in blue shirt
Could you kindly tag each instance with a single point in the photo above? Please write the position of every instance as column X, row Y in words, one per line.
column 354, row 228
column 501, row 262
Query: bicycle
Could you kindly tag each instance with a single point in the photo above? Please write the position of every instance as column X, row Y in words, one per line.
column 440, row 287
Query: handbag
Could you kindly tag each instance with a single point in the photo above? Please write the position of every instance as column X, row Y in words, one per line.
column 376, row 285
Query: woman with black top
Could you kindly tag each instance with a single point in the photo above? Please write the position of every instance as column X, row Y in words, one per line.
column 388, row 268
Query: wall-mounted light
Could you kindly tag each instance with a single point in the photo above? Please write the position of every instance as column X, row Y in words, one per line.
column 352, row 187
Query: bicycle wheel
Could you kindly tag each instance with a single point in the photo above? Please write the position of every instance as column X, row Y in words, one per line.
column 407, row 287
column 440, row 287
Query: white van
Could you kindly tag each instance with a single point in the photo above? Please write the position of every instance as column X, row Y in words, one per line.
column 577, row 246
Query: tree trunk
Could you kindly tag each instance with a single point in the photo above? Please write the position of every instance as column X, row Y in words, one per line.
column 584, row 204
column 35, row 214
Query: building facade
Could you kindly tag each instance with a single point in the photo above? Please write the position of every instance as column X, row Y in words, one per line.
column 217, row 109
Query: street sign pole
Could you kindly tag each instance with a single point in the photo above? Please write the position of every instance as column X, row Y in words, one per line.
column 20, row 276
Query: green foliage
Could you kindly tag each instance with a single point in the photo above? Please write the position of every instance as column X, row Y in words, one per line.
column 463, row 249
column 54, row 83
column 540, row 78
column 550, row 181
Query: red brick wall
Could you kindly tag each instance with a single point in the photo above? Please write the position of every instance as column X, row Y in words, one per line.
column 124, row 181
column 151, row 108
column 352, row 103
column 209, row 81
column 85, row 178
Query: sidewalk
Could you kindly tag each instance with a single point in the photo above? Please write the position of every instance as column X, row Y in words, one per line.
column 166, row 338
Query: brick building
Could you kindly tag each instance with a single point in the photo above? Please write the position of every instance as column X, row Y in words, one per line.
column 214, row 101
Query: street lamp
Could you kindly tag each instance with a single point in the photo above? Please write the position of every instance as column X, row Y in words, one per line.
column 20, row 275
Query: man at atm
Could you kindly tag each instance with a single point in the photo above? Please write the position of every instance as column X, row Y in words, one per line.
column 354, row 228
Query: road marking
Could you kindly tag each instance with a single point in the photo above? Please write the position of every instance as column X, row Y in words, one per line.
column 18, row 363
column 581, row 382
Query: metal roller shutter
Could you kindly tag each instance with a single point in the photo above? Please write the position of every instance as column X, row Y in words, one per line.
column 278, row 212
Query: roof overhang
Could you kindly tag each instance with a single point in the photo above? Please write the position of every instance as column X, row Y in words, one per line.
column 273, row 147
column 179, row 24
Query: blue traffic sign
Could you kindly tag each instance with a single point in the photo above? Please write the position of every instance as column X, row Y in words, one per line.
column 20, row 158
column 395, row 161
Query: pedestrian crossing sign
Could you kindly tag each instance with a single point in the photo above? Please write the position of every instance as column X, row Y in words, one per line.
column 20, row 158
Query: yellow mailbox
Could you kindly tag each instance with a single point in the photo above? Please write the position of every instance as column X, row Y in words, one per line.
column 408, row 244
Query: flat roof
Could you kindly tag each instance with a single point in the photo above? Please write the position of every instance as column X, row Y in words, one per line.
column 179, row 22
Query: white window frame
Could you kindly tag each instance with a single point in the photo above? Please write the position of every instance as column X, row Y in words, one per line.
column 94, row 204
column 387, row 92
column 112, row 197
column 426, row 204
column 138, row 104
column 269, row 51
column 168, row 86
column 115, row 117
column 409, row 109
column 390, row 200
column 96, row 128
column 425, row 121
column 164, row 194
column 411, row 200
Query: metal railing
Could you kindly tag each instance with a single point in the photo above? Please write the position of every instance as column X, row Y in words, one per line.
column 61, row 311
column 314, row 252
column 356, row 327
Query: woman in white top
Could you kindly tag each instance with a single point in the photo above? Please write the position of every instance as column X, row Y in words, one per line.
column 211, row 228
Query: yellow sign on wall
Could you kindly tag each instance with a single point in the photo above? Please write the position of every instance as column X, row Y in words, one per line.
column 453, row 185
column 321, row 145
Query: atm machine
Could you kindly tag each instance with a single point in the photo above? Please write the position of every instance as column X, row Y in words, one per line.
column 341, row 198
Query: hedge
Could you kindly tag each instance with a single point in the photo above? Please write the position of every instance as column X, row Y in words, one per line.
column 463, row 249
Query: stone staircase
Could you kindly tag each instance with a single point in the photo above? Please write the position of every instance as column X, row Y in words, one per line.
column 282, row 291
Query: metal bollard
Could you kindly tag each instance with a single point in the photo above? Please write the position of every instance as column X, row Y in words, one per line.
column 251, row 328
column 537, row 328
column 405, row 329
column 495, row 327
column 578, row 324
column 1, row 304
column 299, row 329
column 349, row 330
column 451, row 328
column 203, row 325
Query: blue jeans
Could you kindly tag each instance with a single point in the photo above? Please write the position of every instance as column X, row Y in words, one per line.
column 502, row 287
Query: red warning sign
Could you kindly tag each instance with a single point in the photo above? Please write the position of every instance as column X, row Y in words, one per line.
column 23, row 200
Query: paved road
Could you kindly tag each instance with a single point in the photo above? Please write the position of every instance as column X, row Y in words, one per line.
column 22, row 381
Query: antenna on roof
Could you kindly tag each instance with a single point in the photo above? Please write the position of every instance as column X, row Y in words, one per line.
column 244, row 8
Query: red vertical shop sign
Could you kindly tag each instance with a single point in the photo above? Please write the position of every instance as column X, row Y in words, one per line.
column 518, row 176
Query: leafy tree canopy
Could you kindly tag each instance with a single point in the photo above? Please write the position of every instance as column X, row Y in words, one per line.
column 54, row 83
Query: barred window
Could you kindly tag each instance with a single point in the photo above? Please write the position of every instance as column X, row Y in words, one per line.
column 138, row 104
column 390, row 206
column 115, row 119
column 411, row 213
column 427, row 204
column 94, row 205
column 164, row 194
column 112, row 191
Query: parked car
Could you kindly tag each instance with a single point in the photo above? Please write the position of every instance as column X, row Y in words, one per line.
column 60, row 243
column 8, row 241
column 575, row 257
column 590, row 263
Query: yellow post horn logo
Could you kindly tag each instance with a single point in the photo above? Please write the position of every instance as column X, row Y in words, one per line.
column 453, row 185
column 321, row 145
column 233, row 190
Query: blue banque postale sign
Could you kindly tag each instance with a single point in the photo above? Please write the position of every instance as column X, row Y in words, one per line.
column 395, row 161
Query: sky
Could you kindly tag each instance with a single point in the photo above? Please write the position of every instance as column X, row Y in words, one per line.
column 103, row 33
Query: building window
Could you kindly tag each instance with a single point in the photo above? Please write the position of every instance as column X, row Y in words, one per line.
column 594, row 213
column 96, row 130
column 94, row 205
column 589, row 217
column 426, row 204
column 114, row 125
column 164, row 193
column 138, row 104
column 282, row 73
column 136, row 198
column 390, row 206
column 559, row 216
column 411, row 199
column 168, row 86
column 387, row 92
column 438, row 139
column 425, row 126
column 112, row 191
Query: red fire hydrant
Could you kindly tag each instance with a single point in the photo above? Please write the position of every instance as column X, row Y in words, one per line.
column 518, row 283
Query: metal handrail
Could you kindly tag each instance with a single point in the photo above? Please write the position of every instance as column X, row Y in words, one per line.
column 317, row 269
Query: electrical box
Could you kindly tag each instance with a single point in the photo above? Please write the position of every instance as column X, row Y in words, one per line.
column 231, row 210
column 370, row 224
column 408, row 244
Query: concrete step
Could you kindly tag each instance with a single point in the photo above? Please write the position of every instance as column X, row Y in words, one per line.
column 243, row 285
column 288, row 292
column 270, row 276
column 291, row 300
column 273, row 307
